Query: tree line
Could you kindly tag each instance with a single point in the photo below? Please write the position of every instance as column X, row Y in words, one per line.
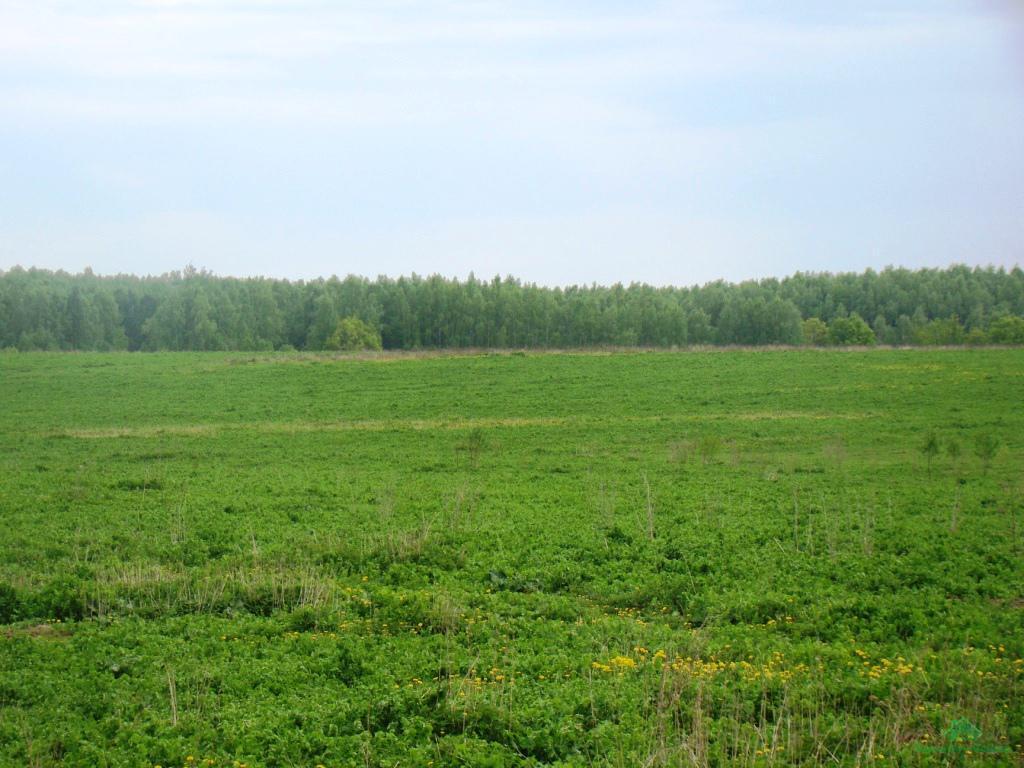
column 196, row 310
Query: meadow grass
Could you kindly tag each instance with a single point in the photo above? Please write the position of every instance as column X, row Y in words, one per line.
column 655, row 559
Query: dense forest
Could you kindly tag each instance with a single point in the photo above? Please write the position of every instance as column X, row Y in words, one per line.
column 196, row 310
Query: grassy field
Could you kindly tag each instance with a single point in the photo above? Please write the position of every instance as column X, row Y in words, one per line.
column 652, row 559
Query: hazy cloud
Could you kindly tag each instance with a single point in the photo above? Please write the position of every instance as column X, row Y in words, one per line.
column 561, row 141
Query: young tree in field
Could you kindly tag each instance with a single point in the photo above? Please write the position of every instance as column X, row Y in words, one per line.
column 930, row 448
column 986, row 446
column 953, row 452
column 352, row 334
column 953, row 448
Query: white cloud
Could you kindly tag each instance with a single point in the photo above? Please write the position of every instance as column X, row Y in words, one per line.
column 269, row 57
column 559, row 135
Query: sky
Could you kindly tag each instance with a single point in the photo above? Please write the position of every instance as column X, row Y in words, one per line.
column 562, row 141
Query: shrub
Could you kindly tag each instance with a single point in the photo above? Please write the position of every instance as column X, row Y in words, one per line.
column 976, row 337
column 63, row 598
column 303, row 619
column 349, row 665
column 953, row 449
column 1007, row 329
column 850, row 330
column 941, row 331
column 10, row 604
column 815, row 332
column 930, row 448
column 710, row 445
column 986, row 446
column 352, row 334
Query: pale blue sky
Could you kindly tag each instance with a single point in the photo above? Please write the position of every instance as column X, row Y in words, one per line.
column 559, row 141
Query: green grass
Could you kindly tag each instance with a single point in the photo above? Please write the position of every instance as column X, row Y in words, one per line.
column 723, row 558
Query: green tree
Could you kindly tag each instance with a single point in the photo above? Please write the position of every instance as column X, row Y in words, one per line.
column 930, row 448
column 1007, row 330
column 82, row 331
column 698, row 327
column 976, row 337
column 851, row 330
column 883, row 333
column 953, row 451
column 945, row 331
column 351, row 334
column 325, row 320
column 193, row 309
column 986, row 446
column 815, row 332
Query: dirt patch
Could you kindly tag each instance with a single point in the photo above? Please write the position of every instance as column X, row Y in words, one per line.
column 381, row 425
column 42, row 631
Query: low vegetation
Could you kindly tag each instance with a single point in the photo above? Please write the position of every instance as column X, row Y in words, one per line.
column 653, row 559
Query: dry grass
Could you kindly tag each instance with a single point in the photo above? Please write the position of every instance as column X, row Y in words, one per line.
column 447, row 424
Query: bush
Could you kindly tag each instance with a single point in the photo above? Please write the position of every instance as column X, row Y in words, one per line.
column 850, row 330
column 986, row 446
column 946, row 331
column 710, row 445
column 10, row 604
column 976, row 337
column 352, row 334
column 815, row 332
column 303, row 619
column 63, row 598
column 349, row 665
column 1007, row 329
column 930, row 448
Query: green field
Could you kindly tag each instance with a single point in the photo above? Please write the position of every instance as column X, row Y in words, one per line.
column 632, row 559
